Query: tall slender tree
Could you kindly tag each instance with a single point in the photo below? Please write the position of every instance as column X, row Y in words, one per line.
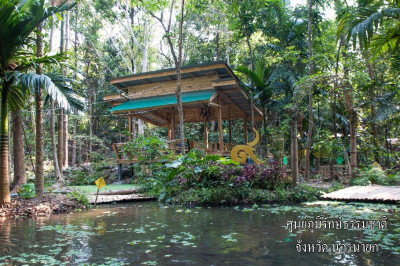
column 18, row 20
column 310, row 93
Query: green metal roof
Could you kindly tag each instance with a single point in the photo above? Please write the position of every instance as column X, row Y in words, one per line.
column 163, row 100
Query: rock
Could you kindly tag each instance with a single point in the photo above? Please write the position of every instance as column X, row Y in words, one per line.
column 108, row 172
column 87, row 167
column 113, row 176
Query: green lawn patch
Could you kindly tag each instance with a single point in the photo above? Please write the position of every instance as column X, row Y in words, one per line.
column 93, row 189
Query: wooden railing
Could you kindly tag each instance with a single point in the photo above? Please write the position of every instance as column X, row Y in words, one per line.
column 212, row 147
column 121, row 156
column 175, row 147
column 334, row 171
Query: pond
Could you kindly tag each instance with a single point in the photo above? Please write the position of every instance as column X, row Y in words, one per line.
column 149, row 233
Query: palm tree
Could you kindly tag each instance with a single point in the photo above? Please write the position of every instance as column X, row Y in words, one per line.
column 363, row 27
column 18, row 19
column 261, row 89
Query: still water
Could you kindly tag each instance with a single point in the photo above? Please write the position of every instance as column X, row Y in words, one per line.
column 149, row 233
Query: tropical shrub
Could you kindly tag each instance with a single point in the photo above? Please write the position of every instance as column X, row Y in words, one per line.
column 375, row 175
column 79, row 196
column 148, row 150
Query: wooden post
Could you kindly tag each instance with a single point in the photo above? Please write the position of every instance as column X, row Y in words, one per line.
column 97, row 195
column 173, row 126
column 230, row 132
column 221, row 139
column 130, row 127
column 169, row 132
column 119, row 172
column 205, row 135
column 246, row 138
column 230, row 127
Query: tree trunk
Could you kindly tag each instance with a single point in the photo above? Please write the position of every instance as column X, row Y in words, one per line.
column 132, row 22
column 60, row 140
column 59, row 177
column 73, row 140
column 227, row 43
column 353, row 134
column 265, row 146
column 39, row 181
column 217, row 44
column 90, row 113
column 52, row 113
column 373, row 109
column 179, row 77
column 348, row 98
column 61, row 112
column 251, row 94
column 10, row 172
column 145, row 47
column 4, row 180
column 310, row 96
column 295, row 152
column 18, row 150
column 65, row 116
column 133, row 127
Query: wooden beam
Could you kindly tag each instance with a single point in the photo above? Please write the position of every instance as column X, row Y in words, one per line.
column 130, row 127
column 231, row 102
column 113, row 97
column 213, row 97
column 156, row 107
column 168, row 72
column 220, row 133
column 169, row 132
column 145, row 119
column 227, row 82
column 246, row 138
column 230, row 125
column 159, row 116
column 230, row 131
column 173, row 126
column 206, row 134
column 215, row 104
column 230, row 90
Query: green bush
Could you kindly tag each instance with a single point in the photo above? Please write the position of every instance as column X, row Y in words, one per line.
column 148, row 150
column 81, row 178
column 27, row 191
column 80, row 197
column 374, row 174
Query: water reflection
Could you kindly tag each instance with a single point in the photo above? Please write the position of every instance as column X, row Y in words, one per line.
column 150, row 233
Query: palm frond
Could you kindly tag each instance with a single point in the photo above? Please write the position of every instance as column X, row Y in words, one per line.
column 18, row 19
column 342, row 119
column 395, row 62
column 36, row 82
column 363, row 28
column 386, row 112
column 258, row 81
column 66, row 87
column 17, row 98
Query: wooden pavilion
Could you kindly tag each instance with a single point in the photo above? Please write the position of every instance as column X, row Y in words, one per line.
column 210, row 92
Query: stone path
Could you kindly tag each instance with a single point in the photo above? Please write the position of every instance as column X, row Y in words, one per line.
column 372, row 193
column 118, row 198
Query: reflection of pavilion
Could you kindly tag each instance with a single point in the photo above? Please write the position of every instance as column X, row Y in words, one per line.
column 210, row 92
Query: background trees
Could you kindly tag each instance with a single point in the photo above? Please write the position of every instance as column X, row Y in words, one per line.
column 277, row 49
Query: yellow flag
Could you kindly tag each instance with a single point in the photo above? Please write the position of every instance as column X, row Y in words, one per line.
column 100, row 183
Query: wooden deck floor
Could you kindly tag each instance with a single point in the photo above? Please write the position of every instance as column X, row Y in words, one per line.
column 118, row 198
column 373, row 193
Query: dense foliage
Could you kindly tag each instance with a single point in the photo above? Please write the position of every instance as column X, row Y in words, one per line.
column 323, row 72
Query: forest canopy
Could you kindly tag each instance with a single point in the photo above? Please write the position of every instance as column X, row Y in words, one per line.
column 324, row 73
